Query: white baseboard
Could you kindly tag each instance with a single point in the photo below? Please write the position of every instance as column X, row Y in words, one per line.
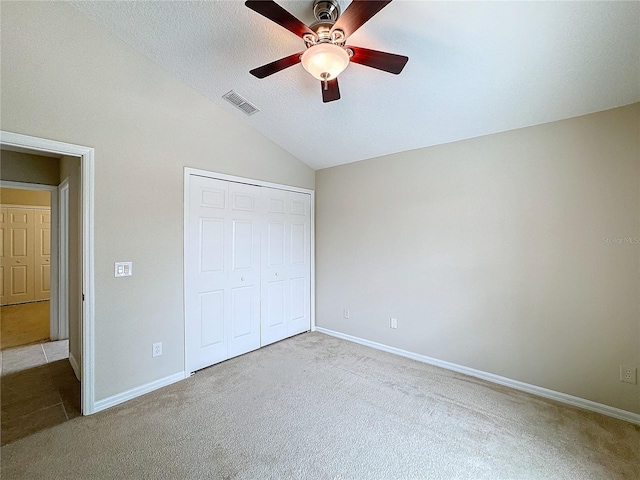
column 75, row 366
column 136, row 392
column 508, row 382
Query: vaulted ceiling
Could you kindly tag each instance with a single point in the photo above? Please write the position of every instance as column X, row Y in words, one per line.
column 475, row 68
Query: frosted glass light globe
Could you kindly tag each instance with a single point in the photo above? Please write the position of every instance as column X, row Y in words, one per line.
column 325, row 61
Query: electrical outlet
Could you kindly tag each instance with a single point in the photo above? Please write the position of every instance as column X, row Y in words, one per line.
column 628, row 374
column 393, row 323
column 345, row 313
column 157, row 349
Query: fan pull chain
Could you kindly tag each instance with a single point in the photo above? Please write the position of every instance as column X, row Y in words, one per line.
column 325, row 78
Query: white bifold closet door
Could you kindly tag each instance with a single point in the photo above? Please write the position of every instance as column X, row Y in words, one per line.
column 286, row 265
column 25, row 255
column 223, row 271
column 247, row 266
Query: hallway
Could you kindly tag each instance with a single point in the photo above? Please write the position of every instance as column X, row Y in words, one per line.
column 39, row 389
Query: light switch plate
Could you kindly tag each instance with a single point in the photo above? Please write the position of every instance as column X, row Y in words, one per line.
column 123, row 269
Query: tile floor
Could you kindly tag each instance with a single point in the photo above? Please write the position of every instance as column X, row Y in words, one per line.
column 38, row 389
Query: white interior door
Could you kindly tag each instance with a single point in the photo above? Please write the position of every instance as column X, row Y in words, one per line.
column 18, row 256
column 42, row 259
column 3, row 253
column 286, row 265
column 222, row 271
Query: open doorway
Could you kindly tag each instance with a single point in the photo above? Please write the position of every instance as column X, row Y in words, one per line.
column 48, row 350
column 36, row 262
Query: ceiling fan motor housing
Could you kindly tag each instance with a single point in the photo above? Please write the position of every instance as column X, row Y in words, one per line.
column 326, row 13
column 326, row 10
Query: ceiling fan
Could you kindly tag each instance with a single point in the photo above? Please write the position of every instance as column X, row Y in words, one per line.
column 327, row 55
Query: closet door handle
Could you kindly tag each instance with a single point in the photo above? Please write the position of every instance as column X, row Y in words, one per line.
column 276, row 274
column 242, row 279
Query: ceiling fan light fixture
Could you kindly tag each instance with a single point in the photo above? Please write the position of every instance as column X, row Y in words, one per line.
column 325, row 61
column 327, row 54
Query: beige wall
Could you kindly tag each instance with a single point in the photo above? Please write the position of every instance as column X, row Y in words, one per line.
column 14, row 196
column 65, row 79
column 70, row 170
column 490, row 252
column 25, row 167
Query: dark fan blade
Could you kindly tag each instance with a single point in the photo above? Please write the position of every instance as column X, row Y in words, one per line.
column 357, row 14
column 279, row 15
column 274, row 67
column 389, row 62
column 330, row 91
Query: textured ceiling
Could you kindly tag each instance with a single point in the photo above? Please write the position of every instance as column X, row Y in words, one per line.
column 475, row 68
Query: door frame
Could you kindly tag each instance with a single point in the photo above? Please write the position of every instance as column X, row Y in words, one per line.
column 63, row 261
column 87, row 339
column 54, row 312
column 188, row 171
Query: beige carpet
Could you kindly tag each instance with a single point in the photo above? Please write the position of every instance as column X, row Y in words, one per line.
column 317, row 407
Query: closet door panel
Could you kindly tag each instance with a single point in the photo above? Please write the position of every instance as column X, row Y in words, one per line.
column 275, row 243
column 298, row 242
column 298, row 286
column 244, row 274
column 299, row 319
column 211, row 245
column 275, row 252
column 286, row 267
column 241, row 315
column 274, row 298
column 211, row 319
column 207, row 297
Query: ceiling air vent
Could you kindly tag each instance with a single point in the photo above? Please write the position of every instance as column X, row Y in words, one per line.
column 240, row 102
